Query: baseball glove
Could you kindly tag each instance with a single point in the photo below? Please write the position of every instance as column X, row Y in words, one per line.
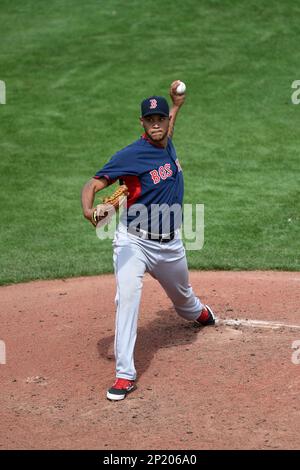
column 111, row 204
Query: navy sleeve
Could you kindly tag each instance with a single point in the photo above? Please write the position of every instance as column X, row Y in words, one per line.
column 120, row 164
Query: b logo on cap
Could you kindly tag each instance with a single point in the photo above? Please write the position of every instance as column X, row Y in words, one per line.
column 153, row 104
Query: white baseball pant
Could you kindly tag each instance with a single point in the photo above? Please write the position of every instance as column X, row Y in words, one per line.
column 166, row 262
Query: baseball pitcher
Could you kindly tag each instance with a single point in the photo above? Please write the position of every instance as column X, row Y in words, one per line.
column 147, row 238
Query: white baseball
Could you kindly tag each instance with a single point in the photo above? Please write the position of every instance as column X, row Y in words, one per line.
column 181, row 88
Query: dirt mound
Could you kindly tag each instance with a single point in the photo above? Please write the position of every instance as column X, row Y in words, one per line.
column 224, row 387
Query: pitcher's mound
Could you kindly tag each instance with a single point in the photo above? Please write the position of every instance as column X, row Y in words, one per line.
column 233, row 386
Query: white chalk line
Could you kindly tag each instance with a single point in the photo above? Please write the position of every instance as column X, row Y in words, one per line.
column 257, row 324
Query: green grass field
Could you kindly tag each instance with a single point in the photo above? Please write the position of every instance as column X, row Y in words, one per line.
column 75, row 74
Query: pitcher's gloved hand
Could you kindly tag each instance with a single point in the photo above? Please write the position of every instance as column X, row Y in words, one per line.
column 103, row 213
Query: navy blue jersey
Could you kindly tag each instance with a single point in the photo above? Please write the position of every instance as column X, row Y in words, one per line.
column 154, row 178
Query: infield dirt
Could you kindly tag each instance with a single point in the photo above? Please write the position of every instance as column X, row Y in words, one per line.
column 223, row 387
